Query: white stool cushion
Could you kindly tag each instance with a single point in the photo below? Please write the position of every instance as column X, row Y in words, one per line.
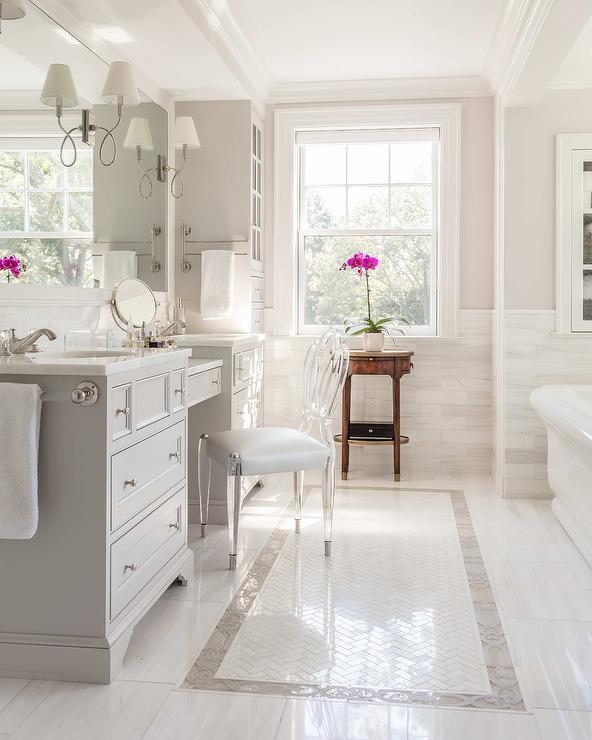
column 268, row 450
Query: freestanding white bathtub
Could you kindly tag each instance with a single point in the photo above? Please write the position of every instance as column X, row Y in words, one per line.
column 567, row 413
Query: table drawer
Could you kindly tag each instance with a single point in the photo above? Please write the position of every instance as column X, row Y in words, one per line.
column 143, row 551
column 204, row 385
column 143, row 472
column 121, row 411
column 152, row 402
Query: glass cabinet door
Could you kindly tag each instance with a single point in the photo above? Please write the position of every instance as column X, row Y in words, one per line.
column 581, row 244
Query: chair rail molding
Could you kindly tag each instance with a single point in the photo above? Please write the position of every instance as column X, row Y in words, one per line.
column 288, row 121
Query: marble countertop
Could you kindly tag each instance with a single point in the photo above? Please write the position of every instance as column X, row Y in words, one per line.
column 199, row 366
column 217, row 340
column 91, row 362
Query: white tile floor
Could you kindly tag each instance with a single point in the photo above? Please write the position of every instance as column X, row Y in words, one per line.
column 543, row 589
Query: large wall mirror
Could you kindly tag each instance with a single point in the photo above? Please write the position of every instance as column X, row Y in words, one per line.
column 88, row 225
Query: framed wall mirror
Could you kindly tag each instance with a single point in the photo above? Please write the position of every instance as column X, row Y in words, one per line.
column 86, row 225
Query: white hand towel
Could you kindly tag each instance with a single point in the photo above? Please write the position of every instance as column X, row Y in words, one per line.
column 217, row 284
column 117, row 266
column 20, row 416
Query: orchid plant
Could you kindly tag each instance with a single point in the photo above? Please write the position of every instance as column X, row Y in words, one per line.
column 12, row 266
column 362, row 264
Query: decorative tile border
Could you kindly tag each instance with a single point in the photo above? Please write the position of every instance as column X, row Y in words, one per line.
column 505, row 692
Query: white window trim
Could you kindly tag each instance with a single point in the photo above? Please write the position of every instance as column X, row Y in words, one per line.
column 564, row 288
column 289, row 121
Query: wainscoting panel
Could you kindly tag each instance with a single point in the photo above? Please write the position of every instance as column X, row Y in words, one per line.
column 446, row 403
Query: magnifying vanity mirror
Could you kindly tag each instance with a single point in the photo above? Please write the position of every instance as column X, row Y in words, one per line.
column 86, row 225
column 132, row 298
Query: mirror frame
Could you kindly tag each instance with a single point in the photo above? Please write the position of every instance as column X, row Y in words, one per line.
column 118, row 317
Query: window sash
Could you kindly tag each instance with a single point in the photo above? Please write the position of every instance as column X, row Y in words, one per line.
column 42, row 145
column 353, row 137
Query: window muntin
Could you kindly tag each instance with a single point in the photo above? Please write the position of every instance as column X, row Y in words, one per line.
column 371, row 191
column 46, row 214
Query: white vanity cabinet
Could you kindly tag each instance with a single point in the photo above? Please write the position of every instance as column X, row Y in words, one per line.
column 112, row 532
column 237, row 405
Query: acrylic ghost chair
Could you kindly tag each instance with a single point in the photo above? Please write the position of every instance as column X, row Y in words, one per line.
column 268, row 450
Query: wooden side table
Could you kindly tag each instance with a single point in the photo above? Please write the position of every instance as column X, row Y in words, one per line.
column 394, row 363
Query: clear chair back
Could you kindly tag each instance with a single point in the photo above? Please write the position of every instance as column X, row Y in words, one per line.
column 325, row 370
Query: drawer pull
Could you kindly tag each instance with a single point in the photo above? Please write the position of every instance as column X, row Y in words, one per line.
column 176, row 455
column 132, row 482
column 175, row 525
column 180, row 390
column 131, row 566
column 215, row 381
column 123, row 411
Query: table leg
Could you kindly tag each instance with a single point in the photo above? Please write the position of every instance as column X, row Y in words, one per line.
column 397, row 428
column 345, row 414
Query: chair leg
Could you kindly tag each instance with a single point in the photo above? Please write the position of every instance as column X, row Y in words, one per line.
column 233, row 500
column 328, row 490
column 204, row 496
column 298, row 491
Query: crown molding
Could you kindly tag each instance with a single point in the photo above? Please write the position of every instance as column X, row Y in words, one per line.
column 512, row 42
column 411, row 88
column 223, row 28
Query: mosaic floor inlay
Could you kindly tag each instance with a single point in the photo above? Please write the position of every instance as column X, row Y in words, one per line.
column 401, row 612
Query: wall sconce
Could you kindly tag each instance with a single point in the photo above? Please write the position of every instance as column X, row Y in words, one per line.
column 138, row 137
column 11, row 10
column 59, row 92
column 184, row 137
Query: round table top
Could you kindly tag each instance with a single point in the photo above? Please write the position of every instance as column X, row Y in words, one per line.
column 385, row 353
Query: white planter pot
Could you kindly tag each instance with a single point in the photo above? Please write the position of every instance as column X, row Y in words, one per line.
column 373, row 342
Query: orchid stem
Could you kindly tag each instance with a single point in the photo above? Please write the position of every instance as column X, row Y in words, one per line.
column 368, row 297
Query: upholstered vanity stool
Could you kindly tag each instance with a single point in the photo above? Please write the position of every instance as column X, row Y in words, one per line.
column 395, row 363
column 279, row 450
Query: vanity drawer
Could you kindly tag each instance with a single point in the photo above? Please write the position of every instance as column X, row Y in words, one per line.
column 257, row 284
column 257, row 321
column 152, row 400
column 121, row 411
column 248, row 364
column 178, row 390
column 143, row 472
column 202, row 386
column 247, row 409
column 143, row 551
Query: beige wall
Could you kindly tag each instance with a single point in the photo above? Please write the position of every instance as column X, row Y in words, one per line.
column 529, row 228
column 476, row 207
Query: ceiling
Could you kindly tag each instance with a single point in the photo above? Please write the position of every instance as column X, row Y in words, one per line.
column 576, row 69
column 310, row 40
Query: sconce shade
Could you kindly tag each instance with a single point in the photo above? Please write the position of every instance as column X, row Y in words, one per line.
column 185, row 133
column 59, row 84
column 138, row 135
column 120, row 83
column 11, row 10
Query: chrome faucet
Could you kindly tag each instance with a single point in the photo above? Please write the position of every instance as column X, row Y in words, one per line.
column 170, row 329
column 20, row 346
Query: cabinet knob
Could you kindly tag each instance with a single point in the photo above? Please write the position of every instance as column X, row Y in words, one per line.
column 215, row 381
column 176, row 455
column 180, row 391
column 175, row 525
column 131, row 566
column 123, row 411
column 131, row 482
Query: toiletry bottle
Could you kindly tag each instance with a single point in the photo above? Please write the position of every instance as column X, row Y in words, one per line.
column 179, row 314
column 129, row 340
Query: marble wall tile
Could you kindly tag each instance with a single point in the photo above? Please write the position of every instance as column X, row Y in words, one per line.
column 446, row 403
column 535, row 356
